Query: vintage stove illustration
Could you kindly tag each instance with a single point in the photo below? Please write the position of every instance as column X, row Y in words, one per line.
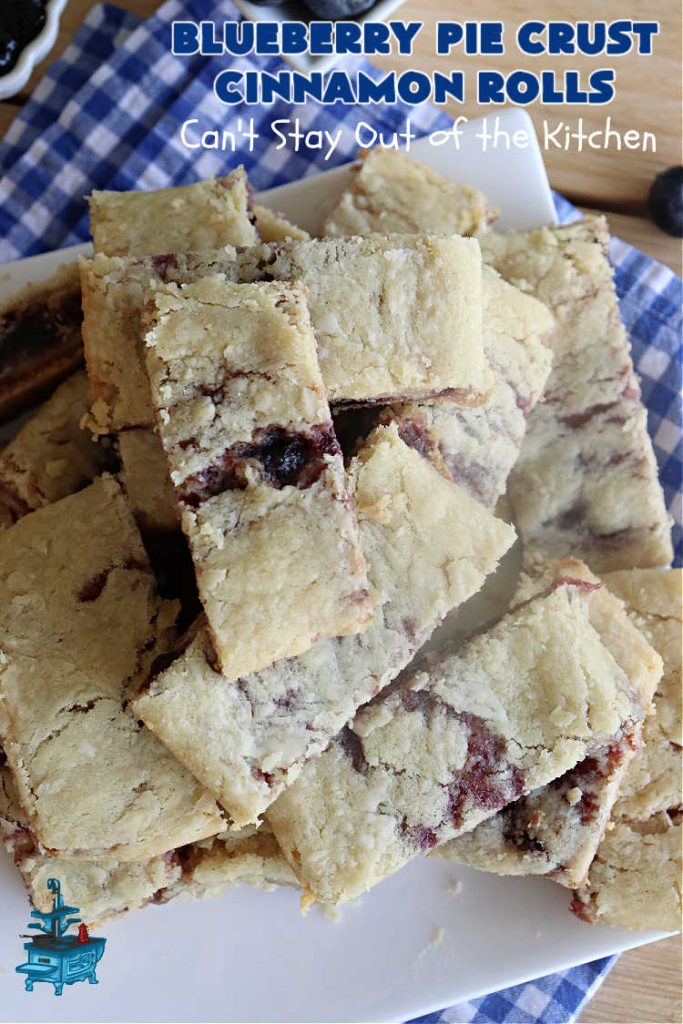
column 56, row 957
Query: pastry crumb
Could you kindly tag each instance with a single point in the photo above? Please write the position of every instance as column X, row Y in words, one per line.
column 438, row 935
column 306, row 902
column 573, row 795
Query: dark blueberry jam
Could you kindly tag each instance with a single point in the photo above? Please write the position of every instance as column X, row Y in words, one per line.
column 285, row 460
column 20, row 22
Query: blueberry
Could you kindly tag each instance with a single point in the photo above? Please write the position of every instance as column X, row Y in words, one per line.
column 20, row 21
column 666, row 201
column 9, row 51
column 333, row 9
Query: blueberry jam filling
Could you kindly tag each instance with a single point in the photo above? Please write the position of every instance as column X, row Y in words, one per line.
column 261, row 776
column 582, row 910
column 164, row 264
column 38, row 327
column 94, row 587
column 419, row 835
column 352, row 745
column 417, row 435
column 486, row 780
column 20, row 22
column 91, row 590
column 473, row 477
column 588, row 776
column 283, row 460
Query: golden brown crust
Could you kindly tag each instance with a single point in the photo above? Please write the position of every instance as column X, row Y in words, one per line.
column 80, row 625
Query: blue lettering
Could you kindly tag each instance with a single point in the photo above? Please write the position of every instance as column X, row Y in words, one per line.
column 211, row 47
column 184, row 38
column 224, row 86
column 376, row 38
column 348, row 37
column 405, row 34
column 294, row 39
column 591, row 44
column 553, row 95
column 320, row 37
column 524, row 37
column 276, row 86
column 620, row 38
column 560, row 38
column 238, row 37
column 338, row 89
column 267, row 39
column 448, row 35
column 492, row 37
column 645, row 31
column 490, row 87
column 446, row 86
column 414, row 87
column 381, row 91
column 522, row 87
column 603, row 83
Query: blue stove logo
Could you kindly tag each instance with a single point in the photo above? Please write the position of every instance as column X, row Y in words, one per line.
column 55, row 957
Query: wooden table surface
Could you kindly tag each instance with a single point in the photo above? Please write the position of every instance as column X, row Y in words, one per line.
column 645, row 986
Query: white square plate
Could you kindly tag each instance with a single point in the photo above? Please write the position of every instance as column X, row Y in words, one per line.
column 251, row 956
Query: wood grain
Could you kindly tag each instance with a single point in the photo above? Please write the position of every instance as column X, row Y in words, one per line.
column 648, row 89
column 645, row 985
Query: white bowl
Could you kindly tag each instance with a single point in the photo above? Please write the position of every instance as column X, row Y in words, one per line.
column 380, row 11
column 15, row 80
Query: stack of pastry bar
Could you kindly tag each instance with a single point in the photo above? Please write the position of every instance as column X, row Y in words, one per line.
column 204, row 600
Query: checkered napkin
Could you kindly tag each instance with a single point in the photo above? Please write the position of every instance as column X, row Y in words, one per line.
column 107, row 115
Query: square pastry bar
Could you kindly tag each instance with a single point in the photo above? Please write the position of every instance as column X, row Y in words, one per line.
column 104, row 887
column 586, row 481
column 259, row 475
column 556, row 830
column 429, row 546
column 51, row 456
column 635, row 879
column 518, row 706
column 391, row 192
column 80, row 625
column 477, row 447
column 396, row 316
column 40, row 325
column 192, row 218
column 393, row 317
column 100, row 887
column 202, row 216
column 40, row 340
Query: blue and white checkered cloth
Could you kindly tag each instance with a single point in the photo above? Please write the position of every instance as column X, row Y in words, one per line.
column 107, row 115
